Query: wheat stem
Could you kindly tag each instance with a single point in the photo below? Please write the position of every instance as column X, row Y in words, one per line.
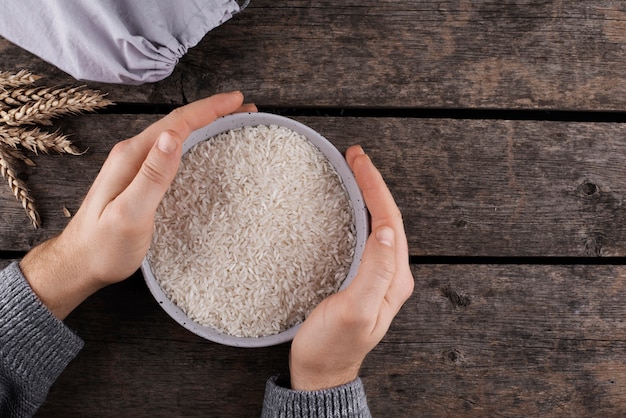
column 18, row 187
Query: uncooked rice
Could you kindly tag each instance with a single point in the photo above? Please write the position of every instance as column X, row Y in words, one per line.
column 256, row 230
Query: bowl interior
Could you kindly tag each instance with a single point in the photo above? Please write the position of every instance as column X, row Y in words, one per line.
column 241, row 120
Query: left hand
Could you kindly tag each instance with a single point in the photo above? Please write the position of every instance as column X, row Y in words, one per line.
column 110, row 234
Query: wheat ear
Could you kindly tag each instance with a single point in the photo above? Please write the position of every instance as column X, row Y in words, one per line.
column 16, row 97
column 42, row 111
column 18, row 187
column 19, row 96
column 36, row 140
column 16, row 154
column 21, row 78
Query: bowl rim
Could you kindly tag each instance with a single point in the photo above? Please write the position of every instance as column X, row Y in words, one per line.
column 361, row 216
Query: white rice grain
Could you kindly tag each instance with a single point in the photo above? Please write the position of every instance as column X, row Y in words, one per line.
column 255, row 231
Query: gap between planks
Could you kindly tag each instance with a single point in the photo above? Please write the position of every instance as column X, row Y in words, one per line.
column 411, row 113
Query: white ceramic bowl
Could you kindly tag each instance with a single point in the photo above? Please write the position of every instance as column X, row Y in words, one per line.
column 240, row 120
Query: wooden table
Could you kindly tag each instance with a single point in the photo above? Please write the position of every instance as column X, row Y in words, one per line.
column 500, row 131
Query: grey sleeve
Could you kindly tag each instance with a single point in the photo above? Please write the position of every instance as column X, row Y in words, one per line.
column 343, row 401
column 113, row 41
column 35, row 346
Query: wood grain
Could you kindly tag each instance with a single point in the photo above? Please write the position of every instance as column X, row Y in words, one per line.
column 506, row 340
column 498, row 188
column 465, row 187
column 466, row 54
column 519, row 54
column 4, row 262
column 476, row 340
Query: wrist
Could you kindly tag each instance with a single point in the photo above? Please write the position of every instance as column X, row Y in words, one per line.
column 307, row 379
column 55, row 278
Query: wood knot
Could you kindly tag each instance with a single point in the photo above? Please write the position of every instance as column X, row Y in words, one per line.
column 592, row 246
column 453, row 356
column 457, row 299
column 589, row 189
column 461, row 223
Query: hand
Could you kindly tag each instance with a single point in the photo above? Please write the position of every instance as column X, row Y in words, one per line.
column 110, row 234
column 332, row 343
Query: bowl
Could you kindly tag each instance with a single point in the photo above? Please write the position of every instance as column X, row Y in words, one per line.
column 361, row 219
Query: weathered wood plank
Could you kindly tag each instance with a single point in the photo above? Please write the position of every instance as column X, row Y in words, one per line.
column 507, row 341
column 458, row 53
column 465, row 187
column 4, row 262
column 498, row 188
column 516, row 54
column 477, row 340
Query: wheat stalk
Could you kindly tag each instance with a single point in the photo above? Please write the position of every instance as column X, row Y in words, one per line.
column 19, row 96
column 22, row 103
column 17, row 186
column 42, row 111
column 16, row 154
column 21, row 78
column 36, row 140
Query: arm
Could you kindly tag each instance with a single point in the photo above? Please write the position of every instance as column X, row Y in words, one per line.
column 109, row 236
column 35, row 346
column 332, row 343
column 103, row 244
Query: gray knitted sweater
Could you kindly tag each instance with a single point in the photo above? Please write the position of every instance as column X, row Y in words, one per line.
column 35, row 347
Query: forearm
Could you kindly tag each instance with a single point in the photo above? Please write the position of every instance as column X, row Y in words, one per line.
column 345, row 401
column 35, row 346
column 58, row 283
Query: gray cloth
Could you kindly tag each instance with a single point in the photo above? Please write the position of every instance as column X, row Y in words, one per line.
column 35, row 347
column 113, row 41
column 344, row 401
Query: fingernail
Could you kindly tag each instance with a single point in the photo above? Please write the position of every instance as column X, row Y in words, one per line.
column 166, row 143
column 235, row 92
column 360, row 150
column 385, row 236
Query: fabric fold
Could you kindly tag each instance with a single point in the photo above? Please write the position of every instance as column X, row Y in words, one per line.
column 113, row 41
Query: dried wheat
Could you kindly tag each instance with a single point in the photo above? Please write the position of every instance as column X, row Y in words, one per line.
column 22, row 103
column 36, row 140
column 16, row 154
column 42, row 111
column 19, row 96
column 17, row 186
column 21, row 78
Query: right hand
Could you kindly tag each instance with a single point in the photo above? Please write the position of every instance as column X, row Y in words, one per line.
column 332, row 343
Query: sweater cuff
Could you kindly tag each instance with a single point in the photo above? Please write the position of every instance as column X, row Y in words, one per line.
column 342, row 401
column 35, row 346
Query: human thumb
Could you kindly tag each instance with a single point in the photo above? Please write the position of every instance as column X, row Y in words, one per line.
column 378, row 266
